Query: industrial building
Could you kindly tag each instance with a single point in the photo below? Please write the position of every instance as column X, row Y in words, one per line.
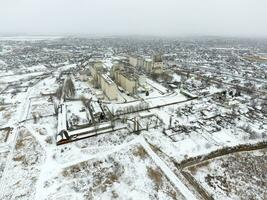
column 133, row 61
column 128, row 82
column 128, row 78
column 148, row 65
column 154, row 65
column 157, row 64
column 136, row 61
column 108, row 87
column 101, row 80
column 123, row 77
column 96, row 69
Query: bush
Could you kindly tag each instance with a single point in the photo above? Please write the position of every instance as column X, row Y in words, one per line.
column 49, row 139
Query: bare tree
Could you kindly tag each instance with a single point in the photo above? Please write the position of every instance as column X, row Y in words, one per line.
column 35, row 117
column 59, row 92
column 69, row 88
column 56, row 108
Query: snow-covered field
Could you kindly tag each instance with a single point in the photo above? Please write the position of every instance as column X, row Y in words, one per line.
column 22, row 168
column 239, row 175
column 7, row 113
column 127, row 173
column 4, row 136
column 3, row 157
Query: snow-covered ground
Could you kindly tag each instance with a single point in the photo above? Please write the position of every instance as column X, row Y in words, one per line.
column 235, row 176
column 148, row 139
column 127, row 171
column 23, row 168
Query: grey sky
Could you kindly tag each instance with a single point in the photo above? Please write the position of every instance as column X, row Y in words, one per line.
column 143, row 17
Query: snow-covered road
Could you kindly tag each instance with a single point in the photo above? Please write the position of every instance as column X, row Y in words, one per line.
column 167, row 171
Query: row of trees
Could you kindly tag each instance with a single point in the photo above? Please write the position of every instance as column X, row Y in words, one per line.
column 66, row 90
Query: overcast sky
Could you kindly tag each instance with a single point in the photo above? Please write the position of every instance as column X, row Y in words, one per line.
column 247, row 18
